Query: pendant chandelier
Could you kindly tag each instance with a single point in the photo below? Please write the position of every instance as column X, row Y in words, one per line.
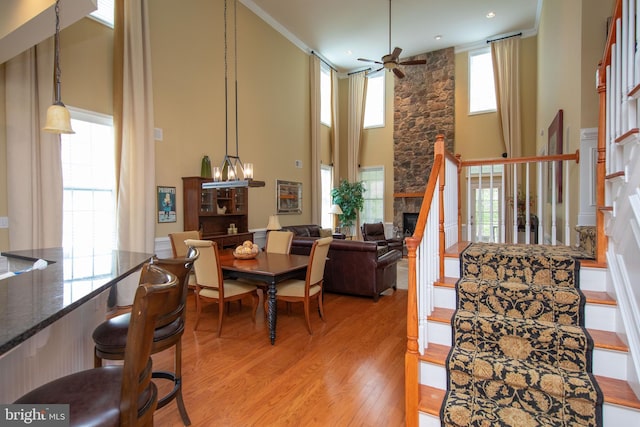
column 58, row 117
column 227, row 175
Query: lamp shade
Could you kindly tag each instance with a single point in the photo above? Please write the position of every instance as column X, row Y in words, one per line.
column 335, row 209
column 58, row 119
column 274, row 223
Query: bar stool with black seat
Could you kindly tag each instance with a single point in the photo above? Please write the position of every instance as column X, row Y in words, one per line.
column 116, row 395
column 110, row 336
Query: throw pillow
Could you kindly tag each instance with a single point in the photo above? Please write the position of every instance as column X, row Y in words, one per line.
column 326, row 232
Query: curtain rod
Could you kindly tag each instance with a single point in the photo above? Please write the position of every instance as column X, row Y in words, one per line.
column 505, row 37
column 325, row 62
column 359, row 71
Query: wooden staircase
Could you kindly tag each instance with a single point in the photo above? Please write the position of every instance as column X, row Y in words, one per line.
column 610, row 356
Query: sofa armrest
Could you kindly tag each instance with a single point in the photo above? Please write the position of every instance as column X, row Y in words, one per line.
column 390, row 257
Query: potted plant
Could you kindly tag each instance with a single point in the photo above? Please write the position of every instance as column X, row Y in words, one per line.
column 348, row 195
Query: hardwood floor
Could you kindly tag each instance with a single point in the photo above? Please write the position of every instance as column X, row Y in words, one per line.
column 350, row 372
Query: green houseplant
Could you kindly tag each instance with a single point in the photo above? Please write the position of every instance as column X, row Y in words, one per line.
column 348, row 195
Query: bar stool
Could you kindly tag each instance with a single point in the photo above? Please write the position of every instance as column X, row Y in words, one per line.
column 116, row 395
column 110, row 337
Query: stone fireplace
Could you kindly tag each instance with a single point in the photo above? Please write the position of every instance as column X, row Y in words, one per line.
column 423, row 108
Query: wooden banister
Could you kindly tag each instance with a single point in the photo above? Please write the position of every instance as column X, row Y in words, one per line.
column 519, row 160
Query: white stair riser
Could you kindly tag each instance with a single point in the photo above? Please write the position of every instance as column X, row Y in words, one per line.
column 452, row 267
column 610, row 363
column 593, row 279
column 612, row 416
column 439, row 333
column 600, row 316
column 433, row 375
column 428, row 420
column 444, row 297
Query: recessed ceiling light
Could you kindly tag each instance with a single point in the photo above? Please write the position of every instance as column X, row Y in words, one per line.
column 491, row 15
column 437, row 37
column 349, row 52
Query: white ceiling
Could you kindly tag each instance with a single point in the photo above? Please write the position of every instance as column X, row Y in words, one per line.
column 332, row 28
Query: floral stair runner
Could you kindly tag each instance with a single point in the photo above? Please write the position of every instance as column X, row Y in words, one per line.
column 520, row 355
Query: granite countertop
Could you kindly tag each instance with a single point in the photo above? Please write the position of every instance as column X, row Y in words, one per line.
column 31, row 301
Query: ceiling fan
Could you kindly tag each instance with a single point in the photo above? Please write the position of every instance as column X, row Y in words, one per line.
column 391, row 61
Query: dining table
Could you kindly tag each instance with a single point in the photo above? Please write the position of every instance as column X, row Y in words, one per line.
column 269, row 268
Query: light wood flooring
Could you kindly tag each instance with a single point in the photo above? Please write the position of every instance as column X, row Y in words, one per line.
column 350, row 372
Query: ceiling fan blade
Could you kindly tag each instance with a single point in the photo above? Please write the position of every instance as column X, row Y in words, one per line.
column 398, row 73
column 414, row 62
column 381, row 68
column 369, row 60
column 396, row 53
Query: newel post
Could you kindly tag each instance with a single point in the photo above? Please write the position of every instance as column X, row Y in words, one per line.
column 411, row 356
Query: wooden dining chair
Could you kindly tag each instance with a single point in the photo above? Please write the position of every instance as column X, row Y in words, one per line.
column 279, row 242
column 294, row 290
column 117, row 395
column 110, row 337
column 179, row 249
column 211, row 285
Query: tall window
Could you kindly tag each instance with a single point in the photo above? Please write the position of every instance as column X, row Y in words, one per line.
column 373, row 181
column 88, row 188
column 325, row 94
column 374, row 106
column 482, row 92
column 104, row 13
column 326, row 176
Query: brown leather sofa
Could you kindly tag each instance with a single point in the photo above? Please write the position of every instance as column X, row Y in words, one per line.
column 353, row 267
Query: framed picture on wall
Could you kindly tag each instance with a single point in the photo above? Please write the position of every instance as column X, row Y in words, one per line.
column 554, row 146
column 288, row 197
column 166, row 204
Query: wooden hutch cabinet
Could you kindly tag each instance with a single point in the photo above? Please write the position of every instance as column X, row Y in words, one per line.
column 213, row 210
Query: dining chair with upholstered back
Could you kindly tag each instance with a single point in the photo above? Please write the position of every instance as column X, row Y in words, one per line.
column 117, row 395
column 110, row 337
column 178, row 247
column 211, row 286
column 294, row 290
column 279, row 242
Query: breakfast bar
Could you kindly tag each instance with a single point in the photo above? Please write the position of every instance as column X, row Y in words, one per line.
column 48, row 315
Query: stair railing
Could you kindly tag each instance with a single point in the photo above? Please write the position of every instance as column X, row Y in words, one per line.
column 524, row 173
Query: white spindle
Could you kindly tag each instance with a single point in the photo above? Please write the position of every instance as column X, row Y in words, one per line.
column 527, row 224
column 631, row 46
column 491, row 232
column 623, row 68
column 539, row 190
column 608, row 121
column 503, row 221
column 618, row 93
column 515, row 203
column 565, row 194
column 479, row 208
column 469, row 213
column 636, row 78
column 553, row 203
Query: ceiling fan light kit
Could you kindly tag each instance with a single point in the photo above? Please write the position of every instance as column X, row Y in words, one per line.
column 391, row 61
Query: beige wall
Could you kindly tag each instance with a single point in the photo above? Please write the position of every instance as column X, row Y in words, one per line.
column 479, row 136
column 572, row 36
column 86, row 62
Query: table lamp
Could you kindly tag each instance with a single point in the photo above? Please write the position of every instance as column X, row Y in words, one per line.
column 335, row 210
column 274, row 223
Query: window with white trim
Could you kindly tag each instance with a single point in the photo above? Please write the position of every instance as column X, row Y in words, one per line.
column 374, row 104
column 326, row 178
column 482, row 92
column 104, row 13
column 88, row 174
column 325, row 94
column 373, row 181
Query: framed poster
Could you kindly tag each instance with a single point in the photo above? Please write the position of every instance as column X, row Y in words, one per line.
column 288, row 197
column 554, row 146
column 166, row 204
